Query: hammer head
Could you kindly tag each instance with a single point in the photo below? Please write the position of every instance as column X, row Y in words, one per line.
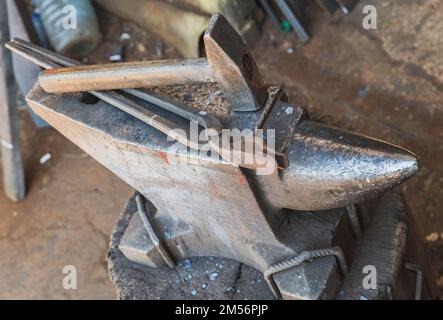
column 234, row 67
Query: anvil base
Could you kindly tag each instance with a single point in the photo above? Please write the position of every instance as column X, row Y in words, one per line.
column 390, row 241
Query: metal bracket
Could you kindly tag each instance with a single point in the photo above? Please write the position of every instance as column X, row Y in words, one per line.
column 418, row 280
column 144, row 216
column 301, row 258
column 351, row 211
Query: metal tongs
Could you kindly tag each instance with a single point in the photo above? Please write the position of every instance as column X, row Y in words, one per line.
column 213, row 127
column 50, row 60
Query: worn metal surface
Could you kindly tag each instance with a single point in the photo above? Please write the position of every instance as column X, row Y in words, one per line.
column 14, row 181
column 228, row 62
column 319, row 278
column 192, row 278
column 328, row 167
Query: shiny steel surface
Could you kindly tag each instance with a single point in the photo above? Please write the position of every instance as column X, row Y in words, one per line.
column 342, row 166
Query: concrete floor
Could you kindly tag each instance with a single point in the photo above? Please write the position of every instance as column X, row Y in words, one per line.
column 386, row 83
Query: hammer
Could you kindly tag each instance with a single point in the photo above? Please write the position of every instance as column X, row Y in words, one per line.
column 229, row 63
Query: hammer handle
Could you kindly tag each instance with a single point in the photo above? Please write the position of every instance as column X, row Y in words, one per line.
column 128, row 75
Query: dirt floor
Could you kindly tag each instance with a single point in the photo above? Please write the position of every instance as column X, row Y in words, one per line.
column 386, row 83
column 71, row 208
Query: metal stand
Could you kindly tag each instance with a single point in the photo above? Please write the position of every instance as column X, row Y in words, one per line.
column 215, row 278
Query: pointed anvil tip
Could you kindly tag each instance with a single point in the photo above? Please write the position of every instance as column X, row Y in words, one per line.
column 335, row 167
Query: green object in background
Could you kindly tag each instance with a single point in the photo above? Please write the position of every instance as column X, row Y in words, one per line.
column 285, row 26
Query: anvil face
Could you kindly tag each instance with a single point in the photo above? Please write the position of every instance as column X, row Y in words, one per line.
column 326, row 167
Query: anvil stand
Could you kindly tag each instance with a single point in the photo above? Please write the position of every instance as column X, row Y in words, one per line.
column 392, row 251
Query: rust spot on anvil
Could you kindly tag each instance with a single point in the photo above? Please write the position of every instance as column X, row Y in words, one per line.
column 164, row 156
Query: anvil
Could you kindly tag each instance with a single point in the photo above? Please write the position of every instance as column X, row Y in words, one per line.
column 192, row 204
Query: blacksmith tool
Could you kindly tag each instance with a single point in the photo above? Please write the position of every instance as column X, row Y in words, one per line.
column 229, row 63
column 113, row 98
column 206, row 120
